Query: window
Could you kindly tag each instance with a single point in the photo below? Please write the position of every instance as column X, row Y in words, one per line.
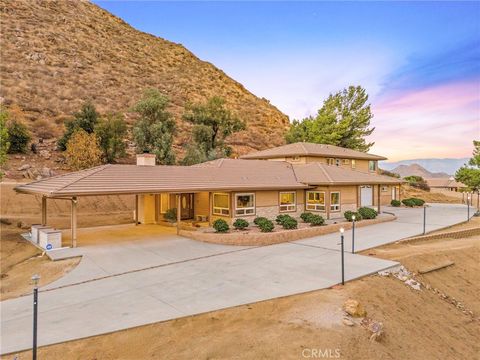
column 244, row 204
column 164, row 203
column 354, row 165
column 295, row 158
column 221, row 204
column 372, row 165
column 337, row 162
column 384, row 188
column 316, row 200
column 287, row 201
column 330, row 161
column 345, row 161
column 335, row 201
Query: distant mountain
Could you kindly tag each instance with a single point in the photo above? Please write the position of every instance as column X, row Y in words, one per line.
column 415, row 169
column 448, row 165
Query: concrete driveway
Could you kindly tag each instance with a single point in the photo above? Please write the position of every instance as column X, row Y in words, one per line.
column 132, row 283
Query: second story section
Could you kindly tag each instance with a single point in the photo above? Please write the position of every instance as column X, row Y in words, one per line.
column 303, row 153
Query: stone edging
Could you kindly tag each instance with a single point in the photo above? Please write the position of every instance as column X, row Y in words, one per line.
column 260, row 239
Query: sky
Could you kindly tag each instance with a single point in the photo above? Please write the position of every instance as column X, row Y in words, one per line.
column 418, row 61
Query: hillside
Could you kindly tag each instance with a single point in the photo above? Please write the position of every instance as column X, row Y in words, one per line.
column 57, row 54
column 415, row 169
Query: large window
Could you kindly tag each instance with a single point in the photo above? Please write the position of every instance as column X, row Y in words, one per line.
column 287, row 201
column 315, row 200
column 164, row 203
column 221, row 204
column 330, row 161
column 354, row 164
column 372, row 165
column 245, row 204
column 335, row 201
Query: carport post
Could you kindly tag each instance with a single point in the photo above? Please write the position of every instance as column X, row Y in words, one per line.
column 74, row 221
column 136, row 209
column 44, row 210
column 178, row 212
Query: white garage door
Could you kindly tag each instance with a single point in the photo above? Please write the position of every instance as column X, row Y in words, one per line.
column 366, row 195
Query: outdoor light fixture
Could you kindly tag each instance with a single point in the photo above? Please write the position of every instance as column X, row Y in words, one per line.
column 342, row 230
column 35, row 280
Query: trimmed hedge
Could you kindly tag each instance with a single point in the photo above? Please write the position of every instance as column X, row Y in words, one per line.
column 266, row 225
column 306, row 216
column 411, row 202
column 259, row 219
column 281, row 218
column 240, row 224
column 348, row 215
column 316, row 220
column 289, row 223
column 367, row 213
column 395, row 203
column 220, row 226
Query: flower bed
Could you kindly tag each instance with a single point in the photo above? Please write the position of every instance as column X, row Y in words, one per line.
column 253, row 237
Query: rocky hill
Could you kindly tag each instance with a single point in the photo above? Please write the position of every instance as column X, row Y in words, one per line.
column 57, row 54
column 415, row 169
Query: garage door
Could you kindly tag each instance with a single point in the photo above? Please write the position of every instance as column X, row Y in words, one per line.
column 366, row 195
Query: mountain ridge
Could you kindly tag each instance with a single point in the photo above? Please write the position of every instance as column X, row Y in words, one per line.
column 434, row 165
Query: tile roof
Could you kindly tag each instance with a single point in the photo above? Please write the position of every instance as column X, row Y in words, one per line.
column 311, row 149
column 444, row 182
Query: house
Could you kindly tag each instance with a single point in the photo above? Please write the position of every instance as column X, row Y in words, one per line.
column 445, row 184
column 292, row 179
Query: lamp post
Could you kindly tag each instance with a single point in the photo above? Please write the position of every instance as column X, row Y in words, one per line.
column 424, row 219
column 35, row 279
column 342, row 230
column 468, row 206
column 353, row 234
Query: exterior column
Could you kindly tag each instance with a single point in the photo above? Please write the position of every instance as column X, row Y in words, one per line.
column 157, row 208
column 74, row 221
column 210, row 210
column 44, row 210
column 136, row 210
column 378, row 197
column 327, row 203
column 178, row 212
column 357, row 195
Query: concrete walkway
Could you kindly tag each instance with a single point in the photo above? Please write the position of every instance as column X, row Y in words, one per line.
column 182, row 277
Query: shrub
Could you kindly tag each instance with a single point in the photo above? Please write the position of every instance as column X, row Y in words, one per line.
column 170, row 215
column 306, row 216
column 281, row 218
column 111, row 131
column 259, row 219
column 417, row 182
column 220, row 226
column 240, row 224
column 266, row 225
column 367, row 213
column 83, row 151
column 348, row 215
column 85, row 119
column 316, row 220
column 418, row 202
column 395, row 203
column 408, row 202
column 18, row 137
column 289, row 223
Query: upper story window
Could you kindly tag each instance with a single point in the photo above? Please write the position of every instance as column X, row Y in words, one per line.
column 345, row 161
column 330, row 161
column 354, row 164
column 287, row 201
column 245, row 204
column 316, row 200
column 221, row 204
column 372, row 165
column 384, row 188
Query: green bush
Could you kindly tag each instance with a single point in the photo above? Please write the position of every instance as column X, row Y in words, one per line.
column 85, row 119
column 306, row 216
column 418, row 202
column 220, row 226
column 281, row 218
column 266, row 225
column 240, row 224
column 367, row 213
column 259, row 219
column 171, row 215
column 18, row 137
column 395, row 203
column 411, row 202
column 348, row 215
column 289, row 223
column 316, row 220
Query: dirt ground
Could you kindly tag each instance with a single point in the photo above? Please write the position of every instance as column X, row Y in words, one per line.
column 417, row 324
column 435, row 195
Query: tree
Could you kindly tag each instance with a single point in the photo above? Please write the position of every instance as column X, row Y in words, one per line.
column 212, row 123
column 111, row 130
column 18, row 136
column 85, row 119
column 154, row 130
column 4, row 138
column 470, row 174
column 343, row 120
column 83, row 150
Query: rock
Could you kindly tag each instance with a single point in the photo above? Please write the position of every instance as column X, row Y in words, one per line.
column 413, row 284
column 45, row 154
column 5, row 221
column 374, row 327
column 24, row 167
column 348, row 322
column 354, row 308
column 46, row 172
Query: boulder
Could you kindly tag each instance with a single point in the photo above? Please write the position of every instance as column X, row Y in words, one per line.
column 46, row 172
column 354, row 308
column 24, row 167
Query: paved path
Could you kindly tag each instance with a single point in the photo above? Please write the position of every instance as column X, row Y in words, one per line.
column 186, row 278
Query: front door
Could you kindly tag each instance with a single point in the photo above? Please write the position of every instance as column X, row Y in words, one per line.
column 394, row 193
column 186, row 206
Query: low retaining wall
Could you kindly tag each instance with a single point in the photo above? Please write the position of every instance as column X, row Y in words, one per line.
column 446, row 235
column 258, row 238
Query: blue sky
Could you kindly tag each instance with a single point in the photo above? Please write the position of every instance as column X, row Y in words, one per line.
column 419, row 61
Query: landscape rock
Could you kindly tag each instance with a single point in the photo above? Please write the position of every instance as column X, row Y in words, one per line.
column 348, row 322
column 374, row 327
column 46, row 172
column 354, row 308
column 24, row 167
column 45, row 154
column 413, row 284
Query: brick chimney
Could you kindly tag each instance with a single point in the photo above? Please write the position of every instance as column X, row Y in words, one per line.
column 146, row 159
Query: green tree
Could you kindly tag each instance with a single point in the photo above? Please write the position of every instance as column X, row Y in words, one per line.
column 4, row 138
column 212, row 123
column 475, row 160
column 343, row 120
column 18, row 136
column 85, row 119
column 154, row 130
column 111, row 131
column 470, row 174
